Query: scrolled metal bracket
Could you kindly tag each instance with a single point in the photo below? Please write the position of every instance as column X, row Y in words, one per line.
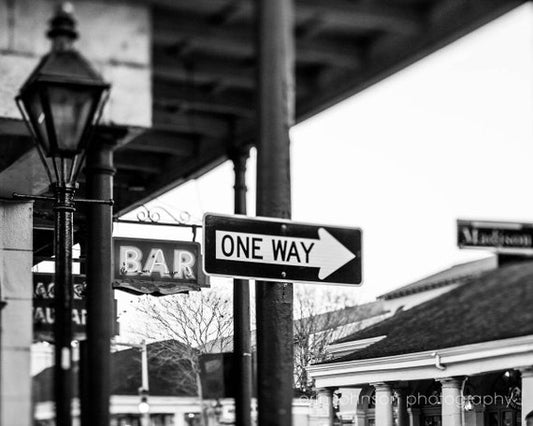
column 152, row 216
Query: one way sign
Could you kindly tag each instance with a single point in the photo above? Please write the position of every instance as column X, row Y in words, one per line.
column 279, row 250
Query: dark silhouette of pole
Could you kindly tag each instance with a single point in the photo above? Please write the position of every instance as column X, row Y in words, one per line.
column 274, row 301
column 82, row 383
column 99, row 173
column 242, row 353
column 63, row 293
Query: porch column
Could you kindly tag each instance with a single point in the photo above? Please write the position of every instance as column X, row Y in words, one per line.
column 384, row 415
column 451, row 401
column 414, row 416
column 324, row 413
column 527, row 392
column 99, row 173
column 274, row 301
column 403, row 416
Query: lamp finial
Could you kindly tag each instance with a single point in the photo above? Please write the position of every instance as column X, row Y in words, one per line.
column 62, row 30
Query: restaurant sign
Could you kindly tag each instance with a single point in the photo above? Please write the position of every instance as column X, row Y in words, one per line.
column 43, row 305
column 157, row 267
column 502, row 237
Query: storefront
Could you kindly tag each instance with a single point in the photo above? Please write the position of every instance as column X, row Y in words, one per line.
column 463, row 358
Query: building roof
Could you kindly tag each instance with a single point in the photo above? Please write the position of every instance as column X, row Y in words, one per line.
column 203, row 78
column 496, row 305
column 457, row 274
column 204, row 66
column 168, row 375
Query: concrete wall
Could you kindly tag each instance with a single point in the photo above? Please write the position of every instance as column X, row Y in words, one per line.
column 114, row 35
column 16, row 253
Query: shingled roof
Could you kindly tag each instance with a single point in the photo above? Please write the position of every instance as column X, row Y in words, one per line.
column 457, row 274
column 168, row 374
column 497, row 305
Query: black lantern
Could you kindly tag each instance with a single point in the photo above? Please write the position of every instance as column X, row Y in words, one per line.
column 62, row 100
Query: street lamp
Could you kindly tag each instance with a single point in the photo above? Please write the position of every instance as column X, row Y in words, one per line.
column 61, row 102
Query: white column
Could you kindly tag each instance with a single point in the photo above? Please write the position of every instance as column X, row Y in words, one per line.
column 322, row 412
column 348, row 403
column 527, row 392
column 16, row 253
column 383, row 404
column 451, row 402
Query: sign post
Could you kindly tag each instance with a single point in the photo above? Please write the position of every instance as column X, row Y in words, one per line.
column 276, row 249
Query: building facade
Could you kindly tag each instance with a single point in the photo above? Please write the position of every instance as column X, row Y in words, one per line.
column 462, row 358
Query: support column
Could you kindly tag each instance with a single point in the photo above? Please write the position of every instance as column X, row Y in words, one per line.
column 242, row 352
column 451, row 401
column 16, row 326
column 414, row 416
column 403, row 415
column 99, row 173
column 527, row 392
column 275, row 39
column 323, row 413
column 384, row 416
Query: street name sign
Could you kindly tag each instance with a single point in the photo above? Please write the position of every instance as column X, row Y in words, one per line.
column 280, row 250
column 502, row 237
column 157, row 267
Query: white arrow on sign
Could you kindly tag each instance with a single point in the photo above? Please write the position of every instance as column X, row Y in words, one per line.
column 326, row 252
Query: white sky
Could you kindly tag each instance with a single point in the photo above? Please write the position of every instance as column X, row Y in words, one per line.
column 450, row 137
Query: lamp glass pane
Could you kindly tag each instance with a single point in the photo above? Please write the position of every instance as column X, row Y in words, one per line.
column 71, row 111
column 35, row 111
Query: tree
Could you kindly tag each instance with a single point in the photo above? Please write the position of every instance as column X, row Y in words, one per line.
column 186, row 326
column 321, row 316
column 190, row 325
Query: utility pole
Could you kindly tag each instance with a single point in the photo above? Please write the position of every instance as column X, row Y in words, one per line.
column 275, row 300
column 242, row 352
column 144, row 389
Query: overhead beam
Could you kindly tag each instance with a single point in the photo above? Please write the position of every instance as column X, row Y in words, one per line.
column 211, row 156
column 196, row 34
column 147, row 163
column 204, row 98
column 161, row 142
column 205, row 76
column 171, row 66
column 369, row 15
column 391, row 54
column 184, row 122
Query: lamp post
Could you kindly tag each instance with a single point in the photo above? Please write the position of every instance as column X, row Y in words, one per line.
column 61, row 102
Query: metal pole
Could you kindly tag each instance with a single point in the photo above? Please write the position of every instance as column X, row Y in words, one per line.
column 275, row 300
column 144, row 366
column 63, row 292
column 82, row 378
column 242, row 352
column 99, row 173
column 144, row 379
